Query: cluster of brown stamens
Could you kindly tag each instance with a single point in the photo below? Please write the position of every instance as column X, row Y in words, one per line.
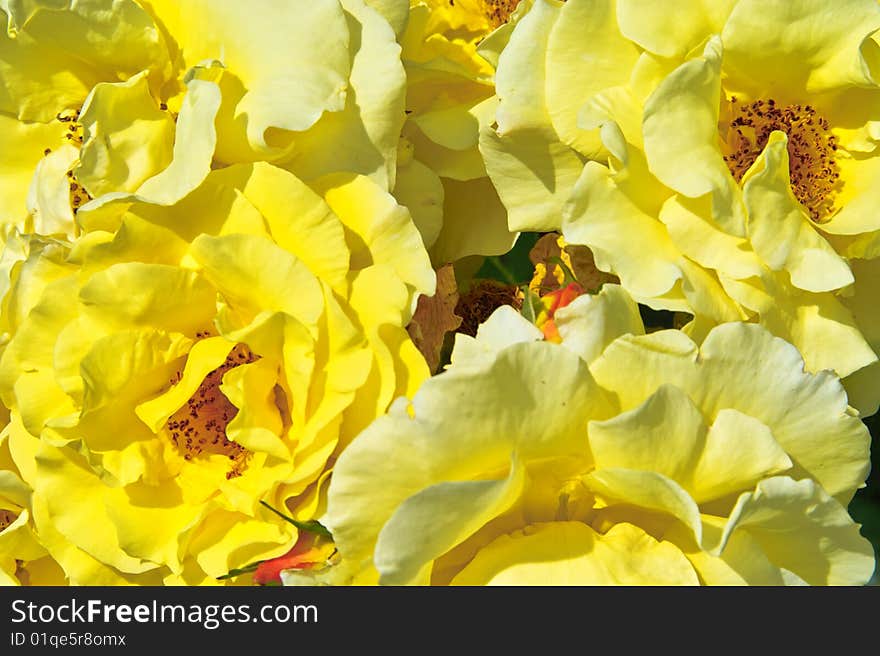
column 481, row 301
column 74, row 127
column 813, row 168
column 6, row 518
column 78, row 194
column 498, row 11
column 199, row 427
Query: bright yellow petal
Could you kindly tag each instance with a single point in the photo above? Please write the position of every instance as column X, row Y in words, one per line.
column 194, row 141
column 298, row 219
column 292, row 66
column 255, row 275
column 257, row 426
column 362, row 136
column 205, row 356
column 62, row 52
column 136, row 294
column 126, row 137
column 49, row 197
column 226, row 541
column 68, row 488
column 24, row 146
column 381, row 231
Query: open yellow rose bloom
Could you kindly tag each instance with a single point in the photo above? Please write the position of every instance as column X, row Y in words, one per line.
column 109, row 102
column 199, row 360
column 719, row 157
column 606, row 459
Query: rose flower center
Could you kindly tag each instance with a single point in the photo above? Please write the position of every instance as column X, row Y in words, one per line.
column 498, row 11
column 199, row 427
column 74, row 135
column 813, row 169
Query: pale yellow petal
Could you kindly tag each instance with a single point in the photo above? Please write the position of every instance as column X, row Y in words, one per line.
column 801, row 45
column 681, row 137
column 805, row 531
column 420, row 190
column 533, row 173
column 743, row 367
column 592, row 322
column 438, row 518
column 503, row 394
column 692, row 230
column 665, row 434
column 624, row 240
column 570, row 553
column 673, row 29
column 646, row 490
column 585, row 54
column 779, row 228
column 474, row 222
column 738, row 452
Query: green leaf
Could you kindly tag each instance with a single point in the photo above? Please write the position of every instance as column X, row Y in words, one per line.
column 247, row 569
column 532, row 305
column 311, row 526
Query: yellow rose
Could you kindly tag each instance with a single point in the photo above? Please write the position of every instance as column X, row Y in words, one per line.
column 611, row 458
column 18, row 543
column 56, row 64
column 315, row 88
column 449, row 51
column 111, row 102
column 168, row 375
column 716, row 169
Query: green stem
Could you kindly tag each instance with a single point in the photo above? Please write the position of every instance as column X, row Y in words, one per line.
column 506, row 274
